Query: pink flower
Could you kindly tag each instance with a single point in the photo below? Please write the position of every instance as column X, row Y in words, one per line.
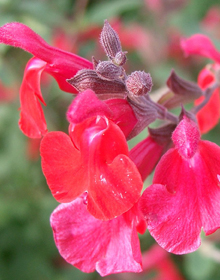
column 199, row 44
column 58, row 63
column 185, row 193
column 89, row 244
column 211, row 21
column 94, row 158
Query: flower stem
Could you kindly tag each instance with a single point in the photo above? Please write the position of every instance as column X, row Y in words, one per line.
column 163, row 113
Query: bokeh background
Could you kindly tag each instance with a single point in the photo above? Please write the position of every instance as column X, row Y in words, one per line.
column 150, row 31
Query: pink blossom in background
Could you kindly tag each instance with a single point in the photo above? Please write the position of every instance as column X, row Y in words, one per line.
column 211, row 21
column 154, row 6
column 161, row 7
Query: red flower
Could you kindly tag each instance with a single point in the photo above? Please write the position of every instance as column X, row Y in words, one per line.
column 185, row 193
column 94, row 158
column 199, row 44
column 58, row 63
column 89, row 244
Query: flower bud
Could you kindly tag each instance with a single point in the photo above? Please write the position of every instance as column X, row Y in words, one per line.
column 120, row 58
column 110, row 40
column 109, row 71
column 139, row 83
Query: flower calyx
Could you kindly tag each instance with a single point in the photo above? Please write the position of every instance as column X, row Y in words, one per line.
column 181, row 92
column 89, row 79
column 162, row 135
column 107, row 70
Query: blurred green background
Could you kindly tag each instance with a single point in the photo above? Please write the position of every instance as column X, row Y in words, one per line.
column 150, row 31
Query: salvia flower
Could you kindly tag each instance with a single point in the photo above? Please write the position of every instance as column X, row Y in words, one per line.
column 184, row 197
column 91, row 171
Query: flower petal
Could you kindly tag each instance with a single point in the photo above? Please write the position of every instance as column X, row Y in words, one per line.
column 87, row 105
column 209, row 178
column 209, row 115
column 60, row 64
column 173, row 218
column 90, row 244
column 32, row 121
column 123, row 114
column 200, row 45
column 61, row 166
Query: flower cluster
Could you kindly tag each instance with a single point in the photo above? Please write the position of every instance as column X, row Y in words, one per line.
column 91, row 172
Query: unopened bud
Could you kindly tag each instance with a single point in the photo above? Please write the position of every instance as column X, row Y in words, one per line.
column 120, row 58
column 139, row 83
column 110, row 40
column 88, row 79
column 109, row 71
